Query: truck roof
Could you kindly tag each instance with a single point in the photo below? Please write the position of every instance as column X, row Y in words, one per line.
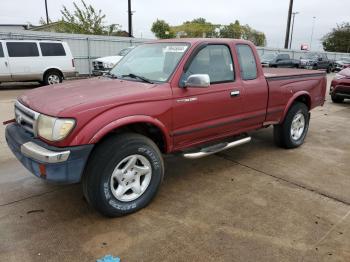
column 203, row 40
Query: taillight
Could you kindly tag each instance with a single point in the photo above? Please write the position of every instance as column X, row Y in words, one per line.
column 73, row 64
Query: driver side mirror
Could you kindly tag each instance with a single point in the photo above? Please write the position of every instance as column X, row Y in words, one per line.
column 198, row 80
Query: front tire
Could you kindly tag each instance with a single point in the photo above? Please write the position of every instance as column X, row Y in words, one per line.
column 123, row 175
column 292, row 132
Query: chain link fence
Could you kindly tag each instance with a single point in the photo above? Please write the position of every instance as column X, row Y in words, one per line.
column 297, row 54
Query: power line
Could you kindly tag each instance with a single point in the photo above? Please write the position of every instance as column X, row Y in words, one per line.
column 291, row 34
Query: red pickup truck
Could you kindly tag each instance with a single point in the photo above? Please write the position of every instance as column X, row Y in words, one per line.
column 191, row 96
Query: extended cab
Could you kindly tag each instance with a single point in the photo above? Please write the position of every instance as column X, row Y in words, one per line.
column 191, row 96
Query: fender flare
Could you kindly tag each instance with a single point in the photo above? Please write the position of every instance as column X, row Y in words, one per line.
column 121, row 122
column 292, row 100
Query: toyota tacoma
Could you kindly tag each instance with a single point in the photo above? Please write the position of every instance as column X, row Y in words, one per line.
column 193, row 97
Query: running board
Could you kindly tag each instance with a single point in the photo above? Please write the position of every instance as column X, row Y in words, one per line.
column 216, row 148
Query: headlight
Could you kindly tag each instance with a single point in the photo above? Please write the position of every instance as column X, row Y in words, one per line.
column 54, row 129
column 108, row 65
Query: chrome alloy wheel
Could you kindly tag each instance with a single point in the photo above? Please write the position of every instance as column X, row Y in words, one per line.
column 298, row 126
column 53, row 79
column 131, row 178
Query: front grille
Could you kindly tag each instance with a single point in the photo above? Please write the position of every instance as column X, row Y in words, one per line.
column 27, row 118
column 98, row 65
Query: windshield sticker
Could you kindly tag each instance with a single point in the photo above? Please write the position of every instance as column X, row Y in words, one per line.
column 175, row 49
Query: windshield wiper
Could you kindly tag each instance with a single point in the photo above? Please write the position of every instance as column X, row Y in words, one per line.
column 144, row 79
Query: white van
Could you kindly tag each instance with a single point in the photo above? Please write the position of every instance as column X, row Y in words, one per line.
column 47, row 62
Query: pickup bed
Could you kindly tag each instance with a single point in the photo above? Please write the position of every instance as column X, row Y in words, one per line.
column 190, row 96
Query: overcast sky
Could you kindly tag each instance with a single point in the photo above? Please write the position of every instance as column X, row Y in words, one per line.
column 268, row 16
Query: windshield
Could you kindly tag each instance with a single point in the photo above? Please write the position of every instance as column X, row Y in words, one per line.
column 268, row 57
column 155, row 62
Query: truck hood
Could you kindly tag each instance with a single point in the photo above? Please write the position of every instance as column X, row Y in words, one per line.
column 76, row 97
column 109, row 59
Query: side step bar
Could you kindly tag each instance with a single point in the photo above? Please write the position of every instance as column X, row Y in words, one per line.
column 216, row 148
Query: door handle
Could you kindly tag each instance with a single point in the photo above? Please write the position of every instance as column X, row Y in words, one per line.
column 6, row 64
column 235, row 93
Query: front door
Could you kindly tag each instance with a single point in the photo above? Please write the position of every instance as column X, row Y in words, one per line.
column 5, row 74
column 203, row 114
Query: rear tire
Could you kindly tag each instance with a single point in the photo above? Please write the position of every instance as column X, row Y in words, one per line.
column 52, row 77
column 337, row 99
column 292, row 132
column 123, row 175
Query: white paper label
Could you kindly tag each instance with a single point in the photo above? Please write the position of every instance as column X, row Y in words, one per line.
column 175, row 49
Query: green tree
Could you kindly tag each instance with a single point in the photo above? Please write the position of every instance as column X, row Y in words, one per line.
column 233, row 30
column 85, row 20
column 162, row 29
column 198, row 27
column 338, row 40
column 258, row 38
column 43, row 21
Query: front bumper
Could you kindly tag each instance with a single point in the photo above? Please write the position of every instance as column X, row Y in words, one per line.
column 62, row 165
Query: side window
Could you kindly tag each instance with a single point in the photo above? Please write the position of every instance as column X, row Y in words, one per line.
column 1, row 50
column 52, row 49
column 247, row 62
column 214, row 60
column 22, row 49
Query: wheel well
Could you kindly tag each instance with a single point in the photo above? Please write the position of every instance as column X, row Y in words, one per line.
column 53, row 70
column 149, row 130
column 304, row 99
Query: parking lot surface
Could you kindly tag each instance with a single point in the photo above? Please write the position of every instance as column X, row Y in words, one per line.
column 256, row 202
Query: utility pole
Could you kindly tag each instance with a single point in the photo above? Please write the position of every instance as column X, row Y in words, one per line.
column 312, row 31
column 291, row 34
column 130, row 18
column 288, row 24
column 47, row 13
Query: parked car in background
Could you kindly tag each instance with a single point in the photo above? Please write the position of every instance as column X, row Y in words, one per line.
column 279, row 60
column 340, row 86
column 47, row 62
column 317, row 61
column 105, row 64
column 190, row 96
column 341, row 64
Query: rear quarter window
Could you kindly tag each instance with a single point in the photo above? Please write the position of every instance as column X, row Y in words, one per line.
column 52, row 49
column 22, row 49
column 247, row 62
